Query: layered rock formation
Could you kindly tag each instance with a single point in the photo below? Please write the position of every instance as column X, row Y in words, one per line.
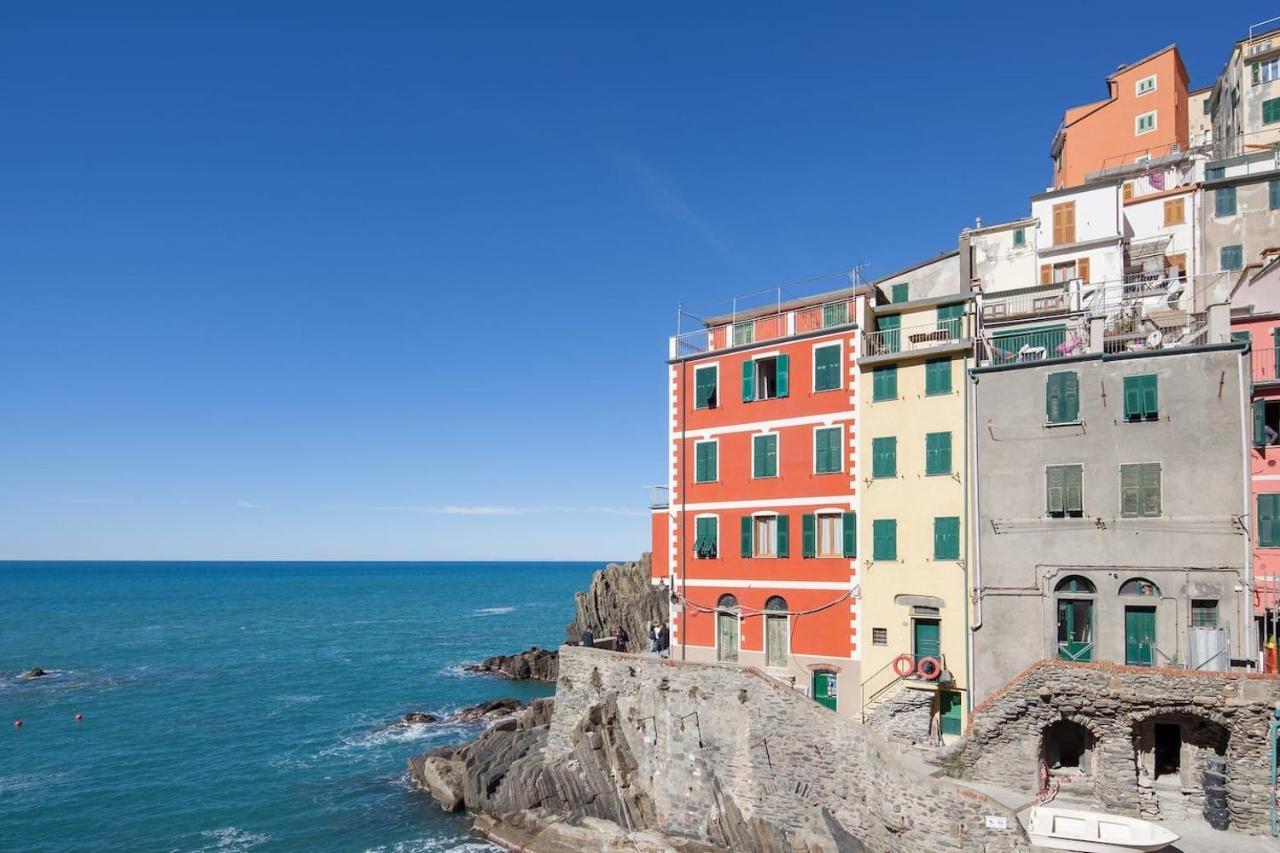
column 535, row 664
column 621, row 594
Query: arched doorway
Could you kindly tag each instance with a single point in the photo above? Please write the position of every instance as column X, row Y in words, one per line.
column 775, row 632
column 1067, row 748
column 1140, row 622
column 727, row 629
column 1075, row 596
column 1182, row 766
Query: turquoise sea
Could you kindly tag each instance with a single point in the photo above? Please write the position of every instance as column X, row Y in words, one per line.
column 242, row 706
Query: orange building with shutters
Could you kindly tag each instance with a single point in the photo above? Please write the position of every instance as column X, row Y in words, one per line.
column 757, row 538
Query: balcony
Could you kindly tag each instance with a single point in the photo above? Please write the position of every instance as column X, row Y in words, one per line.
column 1030, row 303
column 743, row 328
column 1263, row 365
column 908, row 340
column 1042, row 343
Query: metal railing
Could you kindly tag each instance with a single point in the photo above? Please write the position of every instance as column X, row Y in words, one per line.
column 880, row 681
column 1032, row 345
column 1159, row 180
column 763, row 327
column 1075, row 651
column 1263, row 365
column 658, row 497
column 917, row 337
column 1048, row 301
column 1118, row 162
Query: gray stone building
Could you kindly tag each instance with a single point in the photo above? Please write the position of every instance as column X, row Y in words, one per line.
column 1111, row 507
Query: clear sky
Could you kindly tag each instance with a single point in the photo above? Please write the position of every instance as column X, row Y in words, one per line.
column 374, row 280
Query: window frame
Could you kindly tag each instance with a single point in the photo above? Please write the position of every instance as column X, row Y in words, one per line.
column 930, row 373
column 1139, row 91
column 777, row 455
column 1138, row 382
column 1138, row 129
column 1048, row 381
column 879, row 636
column 1272, row 105
column 839, row 430
column 1179, row 204
column 875, row 539
column 715, row 442
column 838, row 538
column 715, row 519
column 1273, row 194
column 1219, row 195
column 928, row 472
column 1273, row 528
column 1222, row 256
column 1066, row 512
column 1142, row 468
column 946, row 518
column 883, row 370
column 875, row 456
column 838, row 346
column 715, row 398
column 759, row 519
column 1020, row 238
column 901, row 287
column 1204, row 605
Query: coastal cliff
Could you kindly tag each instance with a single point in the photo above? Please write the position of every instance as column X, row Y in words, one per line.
column 640, row 753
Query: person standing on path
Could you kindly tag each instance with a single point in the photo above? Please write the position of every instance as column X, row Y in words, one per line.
column 664, row 642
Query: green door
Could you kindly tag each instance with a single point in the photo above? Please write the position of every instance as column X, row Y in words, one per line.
column 949, row 712
column 925, row 636
column 890, row 340
column 1139, row 635
column 1075, row 629
column 949, row 320
column 824, row 689
column 727, row 631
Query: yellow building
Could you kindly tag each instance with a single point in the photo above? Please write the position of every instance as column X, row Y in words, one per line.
column 913, row 539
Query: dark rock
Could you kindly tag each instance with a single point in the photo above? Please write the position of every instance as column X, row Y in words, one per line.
column 34, row 672
column 621, row 594
column 415, row 717
column 533, row 665
column 493, row 709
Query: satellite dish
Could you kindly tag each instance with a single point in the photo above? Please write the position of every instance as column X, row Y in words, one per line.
column 1155, row 339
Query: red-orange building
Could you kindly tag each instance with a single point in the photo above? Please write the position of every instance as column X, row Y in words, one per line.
column 758, row 536
column 1144, row 115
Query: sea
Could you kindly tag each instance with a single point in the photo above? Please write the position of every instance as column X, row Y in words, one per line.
column 250, row 706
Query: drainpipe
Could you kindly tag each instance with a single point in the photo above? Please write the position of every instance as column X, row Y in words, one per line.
column 977, row 540
column 684, row 519
column 1245, row 609
column 1271, row 743
column 964, row 566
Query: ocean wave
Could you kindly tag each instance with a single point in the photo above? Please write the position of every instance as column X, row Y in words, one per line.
column 459, row 670
column 233, row 839
column 435, row 845
column 492, row 611
column 406, row 733
column 27, row 781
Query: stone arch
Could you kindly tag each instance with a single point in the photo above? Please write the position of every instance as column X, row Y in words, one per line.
column 1182, row 756
column 1069, row 745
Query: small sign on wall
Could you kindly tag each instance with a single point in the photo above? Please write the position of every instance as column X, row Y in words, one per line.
column 997, row 822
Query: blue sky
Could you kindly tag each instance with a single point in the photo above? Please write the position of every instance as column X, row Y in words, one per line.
column 394, row 280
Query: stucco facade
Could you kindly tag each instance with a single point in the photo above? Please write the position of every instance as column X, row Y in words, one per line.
column 1137, row 563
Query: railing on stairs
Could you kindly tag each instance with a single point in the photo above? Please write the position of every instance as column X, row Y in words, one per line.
column 880, row 681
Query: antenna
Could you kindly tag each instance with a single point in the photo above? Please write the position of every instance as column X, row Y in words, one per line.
column 855, row 275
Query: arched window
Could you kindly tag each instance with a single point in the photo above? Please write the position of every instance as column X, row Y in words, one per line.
column 1140, row 586
column 1075, row 618
column 727, row 629
column 1075, row 583
column 775, row 631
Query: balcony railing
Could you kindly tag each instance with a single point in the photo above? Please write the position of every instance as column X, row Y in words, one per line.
column 1042, row 302
column 1264, row 364
column 658, row 497
column 782, row 323
column 1159, row 180
column 922, row 336
column 1039, row 344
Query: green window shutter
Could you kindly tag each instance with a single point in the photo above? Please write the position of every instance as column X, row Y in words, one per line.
column 784, row 373
column 784, row 536
column 705, row 467
column 1130, row 491
column 1270, row 110
column 890, row 338
column 1071, row 396
column 884, row 539
column 808, row 535
column 885, row 383
column 937, row 453
column 1268, row 529
column 705, row 545
column 1074, row 491
column 949, row 319
column 849, row 528
column 1056, row 490
column 1224, row 201
column 884, row 457
column 1053, row 398
column 1259, row 423
column 937, row 376
column 1150, row 488
column 827, row 442
column 746, row 536
column 1275, row 342
column 1273, row 195
column 900, row 292
column 1255, row 71
column 748, row 381
column 705, row 394
column 765, row 456
column 1150, row 398
column 946, row 538
column 1132, row 398
column 826, row 368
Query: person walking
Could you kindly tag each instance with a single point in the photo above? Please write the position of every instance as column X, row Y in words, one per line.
column 587, row 639
column 620, row 639
column 653, row 638
column 664, row 641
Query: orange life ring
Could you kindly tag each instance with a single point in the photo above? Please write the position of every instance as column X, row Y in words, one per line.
column 904, row 659
column 929, row 668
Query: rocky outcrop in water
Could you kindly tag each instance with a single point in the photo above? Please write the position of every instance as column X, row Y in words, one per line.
column 34, row 672
column 621, row 594
column 534, row 664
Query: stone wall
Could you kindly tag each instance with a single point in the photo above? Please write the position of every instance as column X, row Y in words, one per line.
column 729, row 756
column 1221, row 717
column 905, row 716
column 620, row 594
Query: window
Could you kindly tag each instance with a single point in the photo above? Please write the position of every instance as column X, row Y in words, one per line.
column 888, row 337
column 1076, row 584
column 899, row 292
column 1242, row 337
column 1064, row 223
column 826, row 367
column 1075, row 618
column 1019, row 238
column 705, row 380
column 1063, row 491
column 1224, row 201
column 1128, row 190
column 1140, row 490
column 937, row 453
column 1266, row 420
column 1269, row 520
column 884, row 539
column 744, row 333
column 1145, row 85
column 1267, row 70
column 949, row 320
column 829, row 534
column 764, row 535
column 946, row 538
column 884, row 383
column 1175, row 212
column 1140, row 398
column 937, row 376
column 879, row 636
column 1273, row 194
column 1271, row 111
column 1204, row 613
column 1213, row 173
column 766, row 378
column 706, row 467
column 775, row 631
column 884, row 457
column 1144, row 123
column 1062, row 397
column 1231, row 257
column 827, row 451
column 764, row 455
column 706, row 537
column 1140, row 586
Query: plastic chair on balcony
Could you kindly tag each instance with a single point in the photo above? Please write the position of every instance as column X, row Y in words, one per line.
column 1067, row 347
column 1030, row 353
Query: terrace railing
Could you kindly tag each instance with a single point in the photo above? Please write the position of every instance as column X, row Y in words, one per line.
column 917, row 337
column 1264, row 364
column 755, row 327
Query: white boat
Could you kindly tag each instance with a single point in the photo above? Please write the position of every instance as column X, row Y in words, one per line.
column 1095, row 832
